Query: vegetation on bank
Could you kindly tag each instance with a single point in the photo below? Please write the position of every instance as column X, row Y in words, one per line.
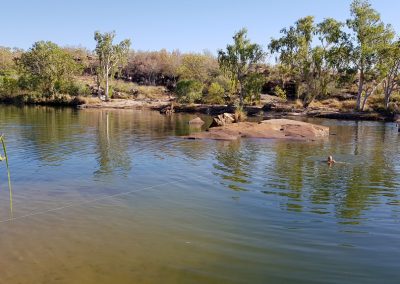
column 353, row 63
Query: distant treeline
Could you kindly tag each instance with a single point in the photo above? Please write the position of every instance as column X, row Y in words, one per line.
column 356, row 59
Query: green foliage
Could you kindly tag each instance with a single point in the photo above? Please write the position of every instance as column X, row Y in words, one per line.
column 280, row 93
column 7, row 62
column 315, row 68
column 389, row 68
column 189, row 91
column 8, row 85
column 252, row 87
column 3, row 143
column 47, row 67
column 197, row 67
column 76, row 88
column 370, row 36
column 238, row 59
column 215, row 94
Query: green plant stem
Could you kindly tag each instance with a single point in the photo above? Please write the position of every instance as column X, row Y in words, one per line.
column 8, row 172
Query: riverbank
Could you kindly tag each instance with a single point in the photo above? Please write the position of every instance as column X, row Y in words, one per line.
column 267, row 111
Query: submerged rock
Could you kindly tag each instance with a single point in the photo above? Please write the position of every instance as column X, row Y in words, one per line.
column 267, row 129
column 196, row 121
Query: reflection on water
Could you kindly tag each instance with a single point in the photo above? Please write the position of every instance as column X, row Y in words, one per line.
column 247, row 211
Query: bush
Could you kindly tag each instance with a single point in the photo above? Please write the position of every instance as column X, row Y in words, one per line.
column 253, row 86
column 75, row 89
column 215, row 94
column 280, row 93
column 8, row 85
column 189, row 91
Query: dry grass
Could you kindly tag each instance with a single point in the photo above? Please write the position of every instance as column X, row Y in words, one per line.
column 128, row 90
column 298, row 104
column 348, row 105
column 132, row 90
column 315, row 104
column 80, row 100
column 240, row 115
column 332, row 103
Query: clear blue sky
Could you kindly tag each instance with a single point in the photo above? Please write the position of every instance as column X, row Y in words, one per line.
column 191, row 25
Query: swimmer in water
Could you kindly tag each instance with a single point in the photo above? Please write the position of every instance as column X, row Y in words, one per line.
column 330, row 160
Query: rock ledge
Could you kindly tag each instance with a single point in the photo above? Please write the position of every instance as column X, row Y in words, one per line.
column 266, row 129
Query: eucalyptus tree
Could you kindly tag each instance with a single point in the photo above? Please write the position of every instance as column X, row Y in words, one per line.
column 330, row 57
column 111, row 57
column 238, row 61
column 295, row 52
column 313, row 66
column 370, row 36
column 389, row 66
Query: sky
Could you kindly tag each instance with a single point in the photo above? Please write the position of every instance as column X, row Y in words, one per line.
column 190, row 26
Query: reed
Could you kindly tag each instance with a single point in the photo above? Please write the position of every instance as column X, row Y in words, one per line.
column 3, row 142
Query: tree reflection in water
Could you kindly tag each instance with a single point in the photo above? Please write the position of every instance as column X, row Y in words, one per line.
column 112, row 150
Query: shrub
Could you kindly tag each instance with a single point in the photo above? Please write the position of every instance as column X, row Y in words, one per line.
column 75, row 89
column 280, row 93
column 8, row 85
column 215, row 94
column 252, row 86
column 189, row 91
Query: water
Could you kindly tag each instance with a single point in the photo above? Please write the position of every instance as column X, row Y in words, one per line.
column 117, row 197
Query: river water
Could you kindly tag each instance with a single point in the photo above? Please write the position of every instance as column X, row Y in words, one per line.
column 117, row 197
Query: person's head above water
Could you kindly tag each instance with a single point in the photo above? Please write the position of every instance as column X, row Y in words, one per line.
column 331, row 160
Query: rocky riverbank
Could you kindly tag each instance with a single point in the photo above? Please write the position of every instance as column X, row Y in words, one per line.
column 268, row 111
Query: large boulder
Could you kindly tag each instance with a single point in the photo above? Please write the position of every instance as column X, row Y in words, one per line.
column 196, row 121
column 223, row 119
column 268, row 129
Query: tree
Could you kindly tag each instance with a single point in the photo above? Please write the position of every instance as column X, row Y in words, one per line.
column 238, row 59
column 7, row 63
column 330, row 57
column 47, row 66
column 111, row 57
column 199, row 67
column 296, row 54
column 370, row 36
column 389, row 66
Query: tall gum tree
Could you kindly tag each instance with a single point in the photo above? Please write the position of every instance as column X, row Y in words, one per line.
column 314, row 67
column 370, row 35
column 110, row 57
column 238, row 59
column 389, row 66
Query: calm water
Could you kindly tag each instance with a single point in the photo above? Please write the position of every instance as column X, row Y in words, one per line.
column 117, row 197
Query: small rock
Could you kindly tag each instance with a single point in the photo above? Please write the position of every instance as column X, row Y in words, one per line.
column 168, row 110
